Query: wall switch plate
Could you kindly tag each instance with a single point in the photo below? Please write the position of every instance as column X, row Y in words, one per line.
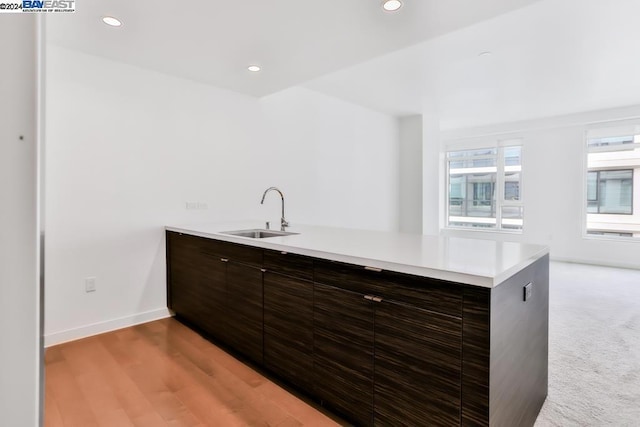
column 527, row 291
column 90, row 284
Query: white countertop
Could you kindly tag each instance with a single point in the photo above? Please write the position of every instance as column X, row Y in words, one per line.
column 476, row 262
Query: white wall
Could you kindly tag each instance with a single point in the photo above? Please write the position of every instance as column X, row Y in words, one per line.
column 19, row 249
column 337, row 162
column 411, row 174
column 431, row 174
column 553, row 186
column 127, row 147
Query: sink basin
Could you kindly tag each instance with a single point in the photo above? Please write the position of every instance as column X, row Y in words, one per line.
column 257, row 233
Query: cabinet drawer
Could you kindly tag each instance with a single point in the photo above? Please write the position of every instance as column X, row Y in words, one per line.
column 289, row 264
column 426, row 293
column 233, row 251
column 183, row 246
column 349, row 277
column 423, row 292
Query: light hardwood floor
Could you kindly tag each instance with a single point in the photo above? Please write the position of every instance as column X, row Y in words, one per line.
column 163, row 374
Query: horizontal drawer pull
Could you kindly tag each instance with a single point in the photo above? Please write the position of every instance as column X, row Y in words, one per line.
column 264, row 270
column 369, row 297
column 224, row 259
column 376, row 299
column 377, row 270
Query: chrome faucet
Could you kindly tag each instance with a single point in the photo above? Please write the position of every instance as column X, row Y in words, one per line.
column 283, row 222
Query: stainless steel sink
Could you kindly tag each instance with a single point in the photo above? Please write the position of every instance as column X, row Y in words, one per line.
column 257, row 233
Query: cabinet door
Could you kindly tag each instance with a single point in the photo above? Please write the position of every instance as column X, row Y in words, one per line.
column 197, row 284
column 288, row 328
column 185, row 276
column 244, row 310
column 417, row 366
column 213, row 297
column 343, row 352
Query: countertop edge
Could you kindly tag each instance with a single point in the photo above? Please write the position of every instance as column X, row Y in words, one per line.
column 502, row 277
column 451, row 276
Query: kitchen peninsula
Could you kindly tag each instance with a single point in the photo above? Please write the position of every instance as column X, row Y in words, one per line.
column 383, row 328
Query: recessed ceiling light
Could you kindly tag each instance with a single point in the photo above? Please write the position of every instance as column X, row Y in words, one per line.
column 392, row 5
column 110, row 20
column 253, row 68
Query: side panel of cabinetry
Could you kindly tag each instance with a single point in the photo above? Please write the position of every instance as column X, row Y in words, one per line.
column 519, row 347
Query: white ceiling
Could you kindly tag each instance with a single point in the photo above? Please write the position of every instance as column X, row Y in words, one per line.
column 550, row 58
column 213, row 41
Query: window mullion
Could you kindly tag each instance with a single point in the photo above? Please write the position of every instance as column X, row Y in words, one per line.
column 499, row 187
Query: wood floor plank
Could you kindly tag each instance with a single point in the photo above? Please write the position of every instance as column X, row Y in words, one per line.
column 72, row 404
column 163, row 374
column 116, row 418
column 110, row 390
column 294, row 405
column 149, row 419
column 129, row 395
column 290, row 422
column 132, row 400
column 53, row 354
column 209, row 407
column 208, row 372
column 52, row 416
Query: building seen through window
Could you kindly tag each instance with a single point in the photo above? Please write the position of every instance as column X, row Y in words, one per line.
column 612, row 184
column 485, row 188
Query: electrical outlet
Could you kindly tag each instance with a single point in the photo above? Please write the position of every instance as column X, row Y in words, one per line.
column 90, row 284
column 527, row 291
column 196, row 206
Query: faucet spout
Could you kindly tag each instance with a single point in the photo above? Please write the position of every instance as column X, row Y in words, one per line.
column 283, row 222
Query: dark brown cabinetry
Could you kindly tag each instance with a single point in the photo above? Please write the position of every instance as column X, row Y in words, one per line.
column 417, row 353
column 244, row 310
column 343, row 351
column 378, row 347
column 385, row 344
column 212, row 297
column 189, row 277
column 288, row 317
column 217, row 287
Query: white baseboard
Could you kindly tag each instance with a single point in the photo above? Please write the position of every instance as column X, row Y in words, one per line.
column 598, row 263
column 102, row 327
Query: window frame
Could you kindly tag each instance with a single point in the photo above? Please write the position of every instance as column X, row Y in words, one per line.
column 601, row 131
column 499, row 187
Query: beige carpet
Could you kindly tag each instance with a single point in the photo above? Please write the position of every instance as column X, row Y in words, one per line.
column 594, row 347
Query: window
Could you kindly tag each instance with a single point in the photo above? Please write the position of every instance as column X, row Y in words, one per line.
column 610, row 192
column 484, row 188
column 613, row 167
